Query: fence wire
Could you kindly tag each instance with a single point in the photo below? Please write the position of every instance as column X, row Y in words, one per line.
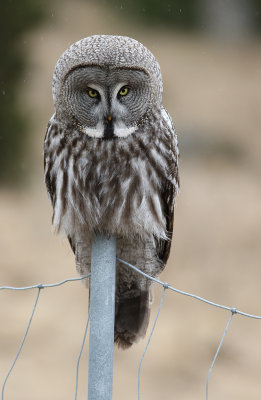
column 233, row 311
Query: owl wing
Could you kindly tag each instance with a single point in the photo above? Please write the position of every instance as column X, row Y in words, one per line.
column 169, row 191
column 50, row 179
column 48, row 163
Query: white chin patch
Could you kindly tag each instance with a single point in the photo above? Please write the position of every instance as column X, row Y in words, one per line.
column 120, row 130
column 93, row 132
column 123, row 131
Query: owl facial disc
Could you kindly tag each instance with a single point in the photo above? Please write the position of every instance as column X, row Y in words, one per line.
column 107, row 102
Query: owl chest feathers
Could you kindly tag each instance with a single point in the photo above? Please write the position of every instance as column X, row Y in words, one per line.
column 113, row 186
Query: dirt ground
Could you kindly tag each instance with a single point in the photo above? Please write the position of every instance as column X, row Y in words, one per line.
column 212, row 90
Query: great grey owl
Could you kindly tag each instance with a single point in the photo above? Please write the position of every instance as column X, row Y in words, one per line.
column 111, row 165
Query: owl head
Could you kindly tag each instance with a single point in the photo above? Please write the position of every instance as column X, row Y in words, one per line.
column 106, row 85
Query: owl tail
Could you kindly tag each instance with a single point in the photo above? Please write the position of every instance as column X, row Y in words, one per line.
column 132, row 313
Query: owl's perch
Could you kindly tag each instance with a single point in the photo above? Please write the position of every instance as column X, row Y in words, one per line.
column 102, row 310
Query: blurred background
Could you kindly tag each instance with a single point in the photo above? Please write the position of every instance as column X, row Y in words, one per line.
column 210, row 55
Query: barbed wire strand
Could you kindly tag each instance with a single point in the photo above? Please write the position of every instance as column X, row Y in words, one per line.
column 233, row 311
column 79, row 357
column 219, row 347
column 23, row 340
column 149, row 339
column 38, row 286
column 46, row 285
column 165, row 286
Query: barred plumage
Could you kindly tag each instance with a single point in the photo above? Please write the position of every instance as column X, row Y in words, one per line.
column 123, row 184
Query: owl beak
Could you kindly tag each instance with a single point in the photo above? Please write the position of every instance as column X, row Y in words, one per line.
column 108, row 128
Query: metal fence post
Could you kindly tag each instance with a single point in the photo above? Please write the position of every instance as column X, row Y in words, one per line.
column 102, row 310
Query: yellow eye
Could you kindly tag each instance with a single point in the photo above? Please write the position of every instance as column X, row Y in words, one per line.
column 92, row 93
column 124, row 90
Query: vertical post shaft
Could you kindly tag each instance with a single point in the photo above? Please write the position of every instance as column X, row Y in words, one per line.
column 102, row 310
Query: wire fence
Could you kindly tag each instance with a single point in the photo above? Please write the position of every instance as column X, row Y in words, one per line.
column 165, row 286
